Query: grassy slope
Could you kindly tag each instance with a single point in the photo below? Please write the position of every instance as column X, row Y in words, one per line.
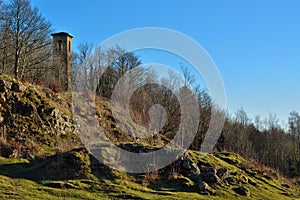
column 119, row 185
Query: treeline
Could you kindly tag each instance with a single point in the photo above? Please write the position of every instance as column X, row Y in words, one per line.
column 265, row 141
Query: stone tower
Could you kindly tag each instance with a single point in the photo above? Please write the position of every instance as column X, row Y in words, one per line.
column 62, row 59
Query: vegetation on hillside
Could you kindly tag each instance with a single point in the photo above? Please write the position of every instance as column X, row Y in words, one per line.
column 66, row 171
column 76, row 175
column 42, row 156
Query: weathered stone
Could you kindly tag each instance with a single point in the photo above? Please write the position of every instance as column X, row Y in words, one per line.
column 244, row 180
column 189, row 164
column 203, row 186
column 243, row 191
column 5, row 86
column 16, row 87
column 223, row 173
column 230, row 180
column 189, row 168
column 209, row 175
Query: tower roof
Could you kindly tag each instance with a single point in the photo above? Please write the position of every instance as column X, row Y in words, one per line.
column 62, row 34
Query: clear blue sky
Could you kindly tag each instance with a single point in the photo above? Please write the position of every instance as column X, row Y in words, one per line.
column 255, row 44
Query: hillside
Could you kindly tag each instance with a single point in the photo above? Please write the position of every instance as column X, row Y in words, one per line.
column 42, row 158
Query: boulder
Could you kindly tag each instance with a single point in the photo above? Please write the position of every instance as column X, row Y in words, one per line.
column 243, row 191
column 190, row 169
column 209, row 175
column 223, row 173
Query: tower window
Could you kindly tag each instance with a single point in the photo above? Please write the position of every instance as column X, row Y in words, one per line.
column 59, row 44
column 69, row 46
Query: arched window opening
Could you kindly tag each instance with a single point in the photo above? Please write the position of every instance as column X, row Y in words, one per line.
column 59, row 44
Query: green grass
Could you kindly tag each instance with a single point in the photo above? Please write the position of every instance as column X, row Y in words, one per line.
column 112, row 184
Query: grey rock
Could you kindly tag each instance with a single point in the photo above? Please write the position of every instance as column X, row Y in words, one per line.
column 209, row 175
column 223, row 173
column 243, row 191
column 230, row 180
column 203, row 186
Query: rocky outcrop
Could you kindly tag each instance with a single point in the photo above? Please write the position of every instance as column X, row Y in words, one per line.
column 30, row 114
column 205, row 177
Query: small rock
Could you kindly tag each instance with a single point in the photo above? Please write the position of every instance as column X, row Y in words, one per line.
column 243, row 191
column 16, row 87
column 223, row 173
column 188, row 164
column 14, row 154
column 208, row 171
column 286, row 185
column 230, row 180
column 203, row 186
column 244, row 180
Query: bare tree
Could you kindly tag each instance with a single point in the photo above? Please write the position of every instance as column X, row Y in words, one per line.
column 189, row 78
column 294, row 124
column 84, row 51
column 29, row 34
column 6, row 50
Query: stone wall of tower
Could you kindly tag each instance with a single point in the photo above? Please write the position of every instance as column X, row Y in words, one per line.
column 62, row 59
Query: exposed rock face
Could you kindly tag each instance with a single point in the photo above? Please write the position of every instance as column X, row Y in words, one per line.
column 204, row 177
column 28, row 114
